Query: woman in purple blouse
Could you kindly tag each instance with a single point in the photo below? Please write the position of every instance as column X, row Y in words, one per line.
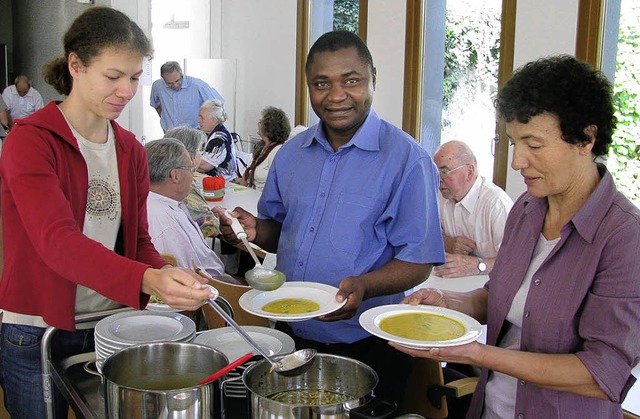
column 562, row 305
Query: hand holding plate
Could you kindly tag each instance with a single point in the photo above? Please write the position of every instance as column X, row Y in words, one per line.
column 463, row 354
column 427, row 296
column 352, row 290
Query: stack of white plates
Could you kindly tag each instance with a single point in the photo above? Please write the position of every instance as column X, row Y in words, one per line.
column 122, row 330
column 230, row 343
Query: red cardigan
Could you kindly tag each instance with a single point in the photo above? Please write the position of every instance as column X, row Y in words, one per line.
column 44, row 199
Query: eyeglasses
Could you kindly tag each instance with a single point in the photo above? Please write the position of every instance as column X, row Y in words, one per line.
column 444, row 173
column 191, row 168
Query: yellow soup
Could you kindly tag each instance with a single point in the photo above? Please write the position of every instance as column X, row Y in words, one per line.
column 423, row 326
column 291, row 306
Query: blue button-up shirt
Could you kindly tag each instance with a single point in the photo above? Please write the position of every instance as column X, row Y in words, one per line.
column 350, row 212
column 181, row 107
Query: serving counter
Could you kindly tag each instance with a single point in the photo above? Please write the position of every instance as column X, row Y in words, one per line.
column 84, row 390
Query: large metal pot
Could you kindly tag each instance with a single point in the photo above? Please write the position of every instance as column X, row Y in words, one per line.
column 158, row 380
column 329, row 373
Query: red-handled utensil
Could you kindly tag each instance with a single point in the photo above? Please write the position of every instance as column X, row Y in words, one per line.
column 226, row 369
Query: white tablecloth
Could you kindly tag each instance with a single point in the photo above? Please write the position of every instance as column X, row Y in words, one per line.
column 238, row 196
column 247, row 199
column 464, row 283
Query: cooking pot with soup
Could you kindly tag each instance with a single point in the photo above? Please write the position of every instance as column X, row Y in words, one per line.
column 333, row 387
column 159, row 380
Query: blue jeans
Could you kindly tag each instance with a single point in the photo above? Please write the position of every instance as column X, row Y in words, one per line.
column 21, row 368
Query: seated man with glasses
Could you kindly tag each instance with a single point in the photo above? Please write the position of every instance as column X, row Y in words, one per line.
column 172, row 229
column 473, row 212
column 193, row 140
column 177, row 97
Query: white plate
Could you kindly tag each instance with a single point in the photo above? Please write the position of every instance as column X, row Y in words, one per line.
column 325, row 295
column 230, row 343
column 144, row 326
column 370, row 321
column 161, row 307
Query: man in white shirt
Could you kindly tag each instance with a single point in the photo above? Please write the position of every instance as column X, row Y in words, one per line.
column 21, row 98
column 473, row 212
column 172, row 229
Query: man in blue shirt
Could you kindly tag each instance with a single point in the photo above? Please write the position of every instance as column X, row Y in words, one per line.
column 351, row 202
column 177, row 98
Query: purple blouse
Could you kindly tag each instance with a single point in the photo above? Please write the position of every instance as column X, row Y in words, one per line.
column 584, row 299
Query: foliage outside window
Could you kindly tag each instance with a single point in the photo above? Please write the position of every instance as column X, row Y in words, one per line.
column 472, row 47
column 345, row 15
column 624, row 156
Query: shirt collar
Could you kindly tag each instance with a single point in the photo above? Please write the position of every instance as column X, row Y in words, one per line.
column 14, row 91
column 470, row 199
column 172, row 203
column 365, row 138
column 590, row 215
column 186, row 82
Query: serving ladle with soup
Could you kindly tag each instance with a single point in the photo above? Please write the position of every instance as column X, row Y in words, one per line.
column 288, row 365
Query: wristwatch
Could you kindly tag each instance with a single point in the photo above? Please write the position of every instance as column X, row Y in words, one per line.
column 482, row 267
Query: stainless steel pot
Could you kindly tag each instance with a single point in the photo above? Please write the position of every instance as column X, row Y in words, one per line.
column 158, row 380
column 330, row 373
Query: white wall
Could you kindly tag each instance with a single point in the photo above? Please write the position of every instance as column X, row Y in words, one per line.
column 543, row 27
column 261, row 36
column 131, row 118
column 385, row 38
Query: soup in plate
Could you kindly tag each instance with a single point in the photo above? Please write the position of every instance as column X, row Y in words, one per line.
column 423, row 326
column 291, row 306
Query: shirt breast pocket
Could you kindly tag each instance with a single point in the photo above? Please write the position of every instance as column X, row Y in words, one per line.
column 352, row 229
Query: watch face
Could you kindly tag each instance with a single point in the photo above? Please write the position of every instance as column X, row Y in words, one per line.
column 482, row 267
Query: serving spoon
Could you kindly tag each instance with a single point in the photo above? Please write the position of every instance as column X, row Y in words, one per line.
column 260, row 278
column 288, row 365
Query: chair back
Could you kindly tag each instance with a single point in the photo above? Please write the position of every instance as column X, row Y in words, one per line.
column 170, row 259
column 231, row 294
column 427, row 393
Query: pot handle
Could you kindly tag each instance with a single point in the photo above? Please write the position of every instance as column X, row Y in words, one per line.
column 87, row 367
column 223, row 397
column 374, row 409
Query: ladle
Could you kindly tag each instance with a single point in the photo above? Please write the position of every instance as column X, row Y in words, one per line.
column 287, row 365
column 260, row 278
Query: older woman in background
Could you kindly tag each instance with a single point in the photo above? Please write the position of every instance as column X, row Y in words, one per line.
column 219, row 156
column 199, row 210
column 563, row 301
column 273, row 128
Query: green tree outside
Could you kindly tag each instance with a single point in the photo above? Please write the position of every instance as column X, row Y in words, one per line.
column 624, row 156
